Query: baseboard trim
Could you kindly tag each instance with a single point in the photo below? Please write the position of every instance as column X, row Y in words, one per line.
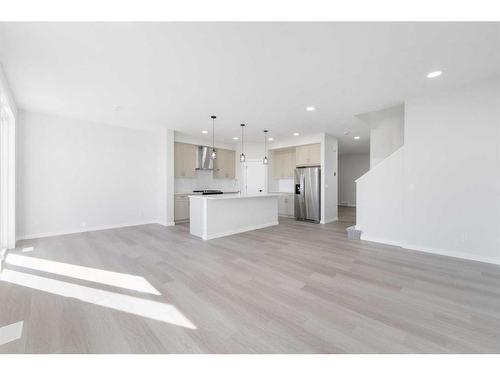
column 241, row 230
column 430, row 250
column 451, row 253
column 86, row 229
column 166, row 224
column 329, row 220
column 3, row 255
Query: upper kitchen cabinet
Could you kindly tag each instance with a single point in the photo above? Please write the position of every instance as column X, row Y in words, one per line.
column 283, row 162
column 184, row 160
column 307, row 155
column 224, row 165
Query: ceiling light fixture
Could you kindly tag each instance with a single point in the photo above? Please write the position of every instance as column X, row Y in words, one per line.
column 235, row 138
column 296, row 134
column 310, row 108
column 357, row 137
column 214, row 153
column 204, row 131
column 242, row 156
column 270, row 139
column 435, row 74
column 265, row 160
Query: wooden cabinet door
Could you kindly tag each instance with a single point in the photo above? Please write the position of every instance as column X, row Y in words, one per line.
column 308, row 155
column 230, row 165
column 281, row 205
column 189, row 160
column 314, row 154
column 181, row 207
column 184, row 160
column 225, row 165
column 289, row 163
column 301, row 155
column 219, row 164
column 178, row 159
column 289, row 202
column 277, row 163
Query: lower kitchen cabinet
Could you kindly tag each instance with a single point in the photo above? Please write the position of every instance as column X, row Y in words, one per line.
column 286, row 204
column 181, row 207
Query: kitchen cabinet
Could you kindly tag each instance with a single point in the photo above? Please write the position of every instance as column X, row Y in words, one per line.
column 286, row 204
column 225, row 165
column 283, row 163
column 308, row 155
column 184, row 160
column 181, row 207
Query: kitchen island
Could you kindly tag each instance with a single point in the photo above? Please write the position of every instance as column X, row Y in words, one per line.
column 213, row 216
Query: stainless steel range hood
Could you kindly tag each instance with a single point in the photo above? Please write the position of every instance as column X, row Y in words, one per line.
column 203, row 160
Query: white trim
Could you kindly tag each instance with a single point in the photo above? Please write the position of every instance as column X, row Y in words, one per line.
column 364, row 237
column 347, row 204
column 87, row 229
column 3, row 255
column 165, row 224
column 240, row 230
column 451, row 253
column 329, row 220
column 7, row 170
column 424, row 249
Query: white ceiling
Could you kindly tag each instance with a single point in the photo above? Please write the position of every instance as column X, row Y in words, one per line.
column 264, row 74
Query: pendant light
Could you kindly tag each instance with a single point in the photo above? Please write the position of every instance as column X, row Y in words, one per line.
column 242, row 156
column 265, row 160
column 214, row 153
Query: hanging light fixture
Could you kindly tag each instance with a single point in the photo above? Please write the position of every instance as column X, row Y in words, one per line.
column 265, row 160
column 242, row 156
column 214, row 153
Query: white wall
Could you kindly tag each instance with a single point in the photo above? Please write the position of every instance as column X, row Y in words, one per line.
column 379, row 208
column 446, row 200
column 386, row 132
column 351, row 167
column 452, row 172
column 75, row 176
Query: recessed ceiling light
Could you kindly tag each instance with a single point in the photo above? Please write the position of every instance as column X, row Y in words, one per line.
column 235, row 138
column 310, row 108
column 296, row 134
column 270, row 139
column 204, row 131
column 357, row 137
column 437, row 73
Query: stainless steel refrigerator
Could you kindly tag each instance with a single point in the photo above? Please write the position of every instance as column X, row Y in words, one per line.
column 308, row 194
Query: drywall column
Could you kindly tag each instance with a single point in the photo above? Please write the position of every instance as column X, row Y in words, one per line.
column 7, row 166
column 170, row 181
column 329, row 178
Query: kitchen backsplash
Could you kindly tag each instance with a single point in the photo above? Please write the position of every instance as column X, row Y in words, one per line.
column 286, row 185
column 205, row 180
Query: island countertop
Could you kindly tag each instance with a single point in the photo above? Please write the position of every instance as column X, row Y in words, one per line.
column 231, row 196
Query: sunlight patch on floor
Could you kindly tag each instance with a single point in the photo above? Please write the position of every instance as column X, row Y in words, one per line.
column 121, row 280
column 11, row 332
column 149, row 309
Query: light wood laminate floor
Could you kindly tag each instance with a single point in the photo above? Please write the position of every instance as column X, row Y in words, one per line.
column 293, row 288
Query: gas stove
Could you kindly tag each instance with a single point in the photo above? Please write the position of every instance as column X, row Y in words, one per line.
column 208, row 192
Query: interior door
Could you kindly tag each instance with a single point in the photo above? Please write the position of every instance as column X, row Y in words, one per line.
column 255, row 177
